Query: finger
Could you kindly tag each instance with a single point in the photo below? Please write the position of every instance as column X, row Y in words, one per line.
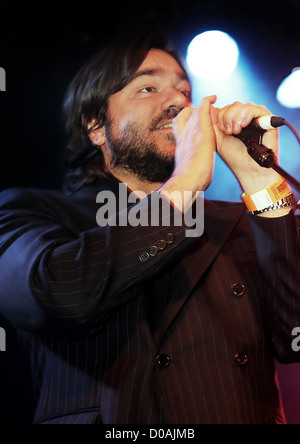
column 235, row 117
column 214, row 114
column 251, row 112
column 271, row 140
column 205, row 108
column 230, row 117
column 211, row 99
column 205, row 112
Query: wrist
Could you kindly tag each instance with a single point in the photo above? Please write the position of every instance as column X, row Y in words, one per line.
column 274, row 201
column 181, row 191
column 185, row 181
column 254, row 183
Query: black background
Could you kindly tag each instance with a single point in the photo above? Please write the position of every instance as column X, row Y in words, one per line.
column 42, row 44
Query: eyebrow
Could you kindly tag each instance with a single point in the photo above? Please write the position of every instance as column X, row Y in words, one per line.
column 158, row 72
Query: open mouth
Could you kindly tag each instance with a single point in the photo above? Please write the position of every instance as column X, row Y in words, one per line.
column 166, row 126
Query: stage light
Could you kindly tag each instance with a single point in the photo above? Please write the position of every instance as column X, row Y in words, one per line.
column 288, row 93
column 212, row 55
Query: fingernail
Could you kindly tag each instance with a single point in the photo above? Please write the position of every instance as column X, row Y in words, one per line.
column 237, row 127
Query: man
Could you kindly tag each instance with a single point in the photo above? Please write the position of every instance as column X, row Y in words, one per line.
column 143, row 324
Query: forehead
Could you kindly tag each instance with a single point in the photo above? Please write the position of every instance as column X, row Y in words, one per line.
column 161, row 63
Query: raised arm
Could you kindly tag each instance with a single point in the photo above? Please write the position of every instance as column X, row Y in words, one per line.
column 59, row 276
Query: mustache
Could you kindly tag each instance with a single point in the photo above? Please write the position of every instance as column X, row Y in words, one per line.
column 166, row 116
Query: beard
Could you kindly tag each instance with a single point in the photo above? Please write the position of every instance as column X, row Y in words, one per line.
column 142, row 158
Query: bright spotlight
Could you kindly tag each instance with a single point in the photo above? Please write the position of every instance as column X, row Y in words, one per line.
column 288, row 93
column 212, row 55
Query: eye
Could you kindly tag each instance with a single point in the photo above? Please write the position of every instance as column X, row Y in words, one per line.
column 147, row 89
column 187, row 94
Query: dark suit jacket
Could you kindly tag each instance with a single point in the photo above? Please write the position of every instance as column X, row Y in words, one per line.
column 186, row 336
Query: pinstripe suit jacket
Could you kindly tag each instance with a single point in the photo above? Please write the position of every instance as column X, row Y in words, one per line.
column 188, row 336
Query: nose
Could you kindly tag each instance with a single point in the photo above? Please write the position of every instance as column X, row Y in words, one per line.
column 174, row 98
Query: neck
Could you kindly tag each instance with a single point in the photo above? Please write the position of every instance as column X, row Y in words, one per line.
column 135, row 184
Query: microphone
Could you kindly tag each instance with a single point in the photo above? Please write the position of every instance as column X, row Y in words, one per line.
column 251, row 136
column 258, row 126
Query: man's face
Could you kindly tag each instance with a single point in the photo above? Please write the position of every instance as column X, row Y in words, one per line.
column 139, row 132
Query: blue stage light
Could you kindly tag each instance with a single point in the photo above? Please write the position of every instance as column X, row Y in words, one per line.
column 212, row 55
column 288, row 93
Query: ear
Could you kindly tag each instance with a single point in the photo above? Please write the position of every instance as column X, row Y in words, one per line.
column 98, row 136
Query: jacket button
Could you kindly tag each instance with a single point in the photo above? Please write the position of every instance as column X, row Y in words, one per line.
column 238, row 290
column 163, row 360
column 241, row 359
column 170, row 237
column 161, row 244
column 153, row 250
column 144, row 257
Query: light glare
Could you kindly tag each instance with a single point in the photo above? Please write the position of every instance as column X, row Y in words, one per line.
column 288, row 93
column 212, row 55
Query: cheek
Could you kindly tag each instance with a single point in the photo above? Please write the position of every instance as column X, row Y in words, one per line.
column 117, row 115
column 119, row 121
column 124, row 123
column 117, row 125
column 124, row 114
column 128, row 125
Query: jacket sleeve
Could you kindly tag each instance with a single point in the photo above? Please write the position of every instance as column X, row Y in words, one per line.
column 54, row 280
column 277, row 246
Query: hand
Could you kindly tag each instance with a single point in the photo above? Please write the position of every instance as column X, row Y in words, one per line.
column 231, row 120
column 195, row 151
column 196, row 145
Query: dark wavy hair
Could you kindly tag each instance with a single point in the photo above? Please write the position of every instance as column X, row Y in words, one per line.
column 86, row 101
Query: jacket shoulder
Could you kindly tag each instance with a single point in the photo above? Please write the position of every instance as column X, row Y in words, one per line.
column 70, row 210
column 49, row 204
column 13, row 198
